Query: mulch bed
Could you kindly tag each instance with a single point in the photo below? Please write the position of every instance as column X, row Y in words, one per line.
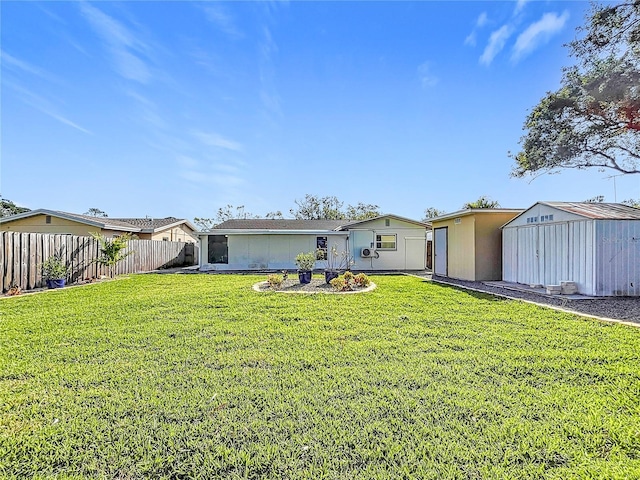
column 317, row 285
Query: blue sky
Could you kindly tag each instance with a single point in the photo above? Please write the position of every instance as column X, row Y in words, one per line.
column 179, row 108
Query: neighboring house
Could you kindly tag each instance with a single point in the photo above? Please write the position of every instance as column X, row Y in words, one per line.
column 387, row 242
column 51, row 221
column 169, row 229
column 595, row 245
column 467, row 244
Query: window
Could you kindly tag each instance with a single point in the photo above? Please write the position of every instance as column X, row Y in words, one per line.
column 218, row 249
column 387, row 222
column 165, row 239
column 47, row 219
column 386, row 242
column 321, row 248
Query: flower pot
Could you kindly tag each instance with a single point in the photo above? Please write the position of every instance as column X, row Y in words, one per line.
column 304, row 276
column 330, row 275
column 58, row 283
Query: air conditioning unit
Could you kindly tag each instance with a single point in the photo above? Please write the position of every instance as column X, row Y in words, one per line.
column 366, row 252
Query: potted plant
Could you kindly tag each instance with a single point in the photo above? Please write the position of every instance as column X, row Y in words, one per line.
column 336, row 262
column 54, row 271
column 305, row 263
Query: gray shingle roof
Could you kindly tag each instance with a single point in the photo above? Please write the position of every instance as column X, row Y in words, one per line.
column 106, row 221
column 149, row 223
column 280, row 224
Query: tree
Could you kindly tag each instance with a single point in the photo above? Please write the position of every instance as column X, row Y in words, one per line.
column 223, row 214
column 431, row 212
column 8, row 208
column 96, row 212
column 362, row 211
column 482, row 202
column 596, row 199
column 593, row 120
column 112, row 250
column 274, row 215
column 314, row 207
column 204, row 224
column 632, row 203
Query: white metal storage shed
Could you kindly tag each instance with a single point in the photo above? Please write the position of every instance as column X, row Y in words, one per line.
column 595, row 245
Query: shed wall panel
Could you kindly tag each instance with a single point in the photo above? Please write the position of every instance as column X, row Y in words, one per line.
column 617, row 258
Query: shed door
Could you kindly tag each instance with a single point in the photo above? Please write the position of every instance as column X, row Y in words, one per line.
column 440, row 254
column 528, row 256
column 414, row 253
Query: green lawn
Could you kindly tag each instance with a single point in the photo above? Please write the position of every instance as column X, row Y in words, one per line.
column 199, row 376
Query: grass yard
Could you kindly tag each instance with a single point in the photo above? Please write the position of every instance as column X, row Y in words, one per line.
column 199, row 376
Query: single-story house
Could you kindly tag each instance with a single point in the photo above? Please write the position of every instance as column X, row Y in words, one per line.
column 594, row 245
column 387, row 242
column 467, row 244
column 51, row 221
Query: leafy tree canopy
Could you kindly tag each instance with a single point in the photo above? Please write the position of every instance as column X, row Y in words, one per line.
column 96, row 212
column 431, row 212
column 229, row 212
column 593, row 120
column 362, row 211
column 482, row 202
column 314, row 207
column 8, row 208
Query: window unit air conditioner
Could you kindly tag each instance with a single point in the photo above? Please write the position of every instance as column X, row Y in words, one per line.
column 366, row 252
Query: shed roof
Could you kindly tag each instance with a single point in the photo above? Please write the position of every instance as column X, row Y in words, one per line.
column 473, row 211
column 600, row 211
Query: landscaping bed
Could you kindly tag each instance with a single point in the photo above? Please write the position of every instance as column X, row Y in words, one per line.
column 317, row 285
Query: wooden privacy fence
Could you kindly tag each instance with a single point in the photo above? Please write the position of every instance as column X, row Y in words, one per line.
column 22, row 255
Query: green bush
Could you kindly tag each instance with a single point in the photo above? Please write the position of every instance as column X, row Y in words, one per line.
column 362, row 280
column 275, row 281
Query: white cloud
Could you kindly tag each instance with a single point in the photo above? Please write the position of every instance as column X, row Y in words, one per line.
column 45, row 106
column 268, row 91
column 216, row 140
column 481, row 21
column 496, row 43
column 471, row 39
column 427, row 79
column 519, row 6
column 120, row 42
column 538, row 33
column 218, row 16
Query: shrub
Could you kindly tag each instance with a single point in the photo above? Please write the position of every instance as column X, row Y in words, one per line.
column 275, row 281
column 306, row 261
column 348, row 281
column 339, row 284
column 54, row 268
column 361, row 280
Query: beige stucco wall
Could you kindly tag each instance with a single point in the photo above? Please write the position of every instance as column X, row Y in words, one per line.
column 460, row 246
column 488, row 244
column 38, row 224
column 180, row 233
